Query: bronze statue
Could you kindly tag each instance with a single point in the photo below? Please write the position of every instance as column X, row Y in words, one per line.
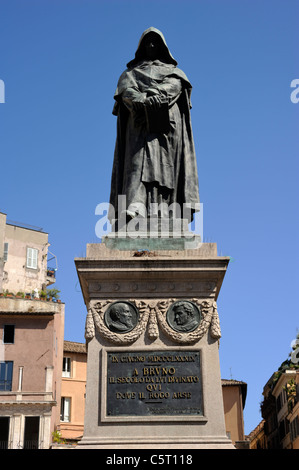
column 154, row 160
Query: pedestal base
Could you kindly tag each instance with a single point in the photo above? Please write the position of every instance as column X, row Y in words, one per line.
column 212, row 442
column 153, row 384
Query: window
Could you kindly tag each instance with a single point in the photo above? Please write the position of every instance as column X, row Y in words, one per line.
column 283, row 428
column 271, row 423
column 281, row 400
column 65, row 413
column 9, row 334
column 4, row 432
column 31, row 258
column 6, row 376
column 66, row 367
column 294, row 427
column 31, row 432
column 5, row 252
column 278, row 402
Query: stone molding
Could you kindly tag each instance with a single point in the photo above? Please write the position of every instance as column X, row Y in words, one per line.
column 26, row 408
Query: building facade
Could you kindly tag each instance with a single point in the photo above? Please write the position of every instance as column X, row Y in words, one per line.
column 257, row 438
column 73, row 391
column 31, row 341
column 280, row 408
column 24, row 256
column 234, row 397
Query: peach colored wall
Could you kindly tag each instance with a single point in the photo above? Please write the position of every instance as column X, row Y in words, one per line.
column 233, row 412
column 74, row 387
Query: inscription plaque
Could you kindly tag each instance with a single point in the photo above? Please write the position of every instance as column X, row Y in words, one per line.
column 154, row 383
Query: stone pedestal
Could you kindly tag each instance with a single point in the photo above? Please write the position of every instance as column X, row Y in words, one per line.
column 152, row 330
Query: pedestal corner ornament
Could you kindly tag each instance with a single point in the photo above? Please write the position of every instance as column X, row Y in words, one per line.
column 123, row 322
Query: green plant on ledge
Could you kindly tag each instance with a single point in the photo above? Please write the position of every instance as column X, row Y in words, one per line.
column 43, row 294
column 8, row 294
column 20, row 295
column 56, row 437
column 291, row 391
column 53, row 294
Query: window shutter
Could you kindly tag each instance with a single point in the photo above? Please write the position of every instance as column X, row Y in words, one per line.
column 32, row 258
column 5, row 253
column 66, row 367
column 65, row 409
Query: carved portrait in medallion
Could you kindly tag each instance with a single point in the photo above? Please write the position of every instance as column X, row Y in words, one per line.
column 121, row 317
column 183, row 316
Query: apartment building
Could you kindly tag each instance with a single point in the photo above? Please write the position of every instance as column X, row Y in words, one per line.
column 73, row 389
column 234, row 397
column 280, row 409
column 257, row 438
column 24, row 259
column 31, row 340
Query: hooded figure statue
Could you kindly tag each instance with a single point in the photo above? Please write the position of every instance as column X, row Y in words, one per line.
column 154, row 159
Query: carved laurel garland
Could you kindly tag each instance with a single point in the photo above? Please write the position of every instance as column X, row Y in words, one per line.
column 152, row 316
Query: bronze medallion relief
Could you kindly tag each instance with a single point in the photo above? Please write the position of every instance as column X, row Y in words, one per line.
column 183, row 316
column 121, row 317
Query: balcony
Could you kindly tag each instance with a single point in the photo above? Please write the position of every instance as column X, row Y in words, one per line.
column 31, row 444
column 51, row 272
column 51, row 276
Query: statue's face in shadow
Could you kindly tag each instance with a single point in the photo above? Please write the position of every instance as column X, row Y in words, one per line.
column 152, row 46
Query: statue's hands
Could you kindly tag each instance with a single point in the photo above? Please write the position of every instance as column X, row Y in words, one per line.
column 152, row 92
column 154, row 101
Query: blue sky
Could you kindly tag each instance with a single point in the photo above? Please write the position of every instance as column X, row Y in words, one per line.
column 60, row 62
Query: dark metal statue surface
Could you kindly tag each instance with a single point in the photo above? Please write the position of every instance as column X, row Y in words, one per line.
column 154, row 160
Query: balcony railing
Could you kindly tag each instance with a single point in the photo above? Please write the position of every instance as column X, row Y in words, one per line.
column 51, row 272
column 30, row 444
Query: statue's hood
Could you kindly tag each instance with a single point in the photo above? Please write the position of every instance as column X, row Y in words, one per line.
column 167, row 56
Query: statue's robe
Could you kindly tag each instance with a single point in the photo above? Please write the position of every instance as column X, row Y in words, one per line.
column 153, row 166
